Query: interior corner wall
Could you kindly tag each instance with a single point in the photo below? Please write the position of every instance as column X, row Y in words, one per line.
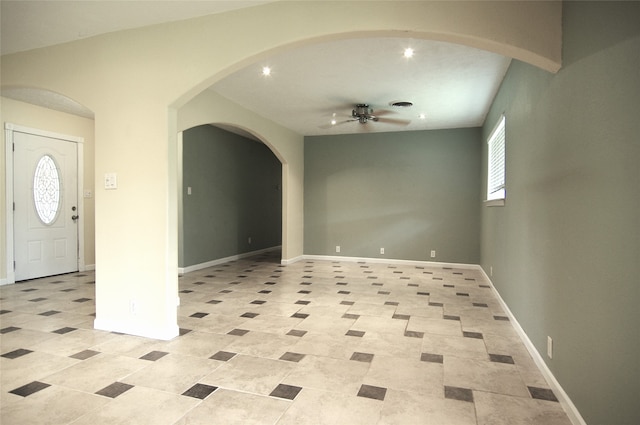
column 36, row 117
column 406, row 192
column 236, row 194
column 565, row 249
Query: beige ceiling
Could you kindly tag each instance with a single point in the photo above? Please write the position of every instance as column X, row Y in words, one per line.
column 452, row 85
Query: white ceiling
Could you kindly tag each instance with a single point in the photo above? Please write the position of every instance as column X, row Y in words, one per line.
column 452, row 85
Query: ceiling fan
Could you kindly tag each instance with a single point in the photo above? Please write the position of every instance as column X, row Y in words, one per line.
column 363, row 113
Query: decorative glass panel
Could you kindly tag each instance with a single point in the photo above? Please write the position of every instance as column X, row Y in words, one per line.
column 46, row 189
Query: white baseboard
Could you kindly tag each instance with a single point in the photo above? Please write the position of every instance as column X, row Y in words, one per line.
column 566, row 403
column 88, row 268
column 165, row 333
column 195, row 267
column 4, row 281
column 382, row 261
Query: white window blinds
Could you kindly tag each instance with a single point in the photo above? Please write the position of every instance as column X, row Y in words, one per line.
column 496, row 174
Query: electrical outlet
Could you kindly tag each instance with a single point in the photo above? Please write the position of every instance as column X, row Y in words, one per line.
column 549, row 347
column 133, row 307
column 433, row 253
column 491, row 271
column 381, row 250
column 337, row 248
column 249, row 240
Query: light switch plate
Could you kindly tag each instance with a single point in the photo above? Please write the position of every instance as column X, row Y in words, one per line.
column 110, row 181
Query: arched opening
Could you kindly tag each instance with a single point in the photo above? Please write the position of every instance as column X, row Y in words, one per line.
column 229, row 196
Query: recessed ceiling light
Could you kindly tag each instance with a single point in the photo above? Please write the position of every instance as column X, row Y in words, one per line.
column 266, row 71
column 408, row 52
column 422, row 116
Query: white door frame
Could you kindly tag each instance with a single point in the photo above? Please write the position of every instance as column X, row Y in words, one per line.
column 9, row 130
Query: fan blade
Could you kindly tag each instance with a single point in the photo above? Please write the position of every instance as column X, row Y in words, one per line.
column 325, row 126
column 395, row 121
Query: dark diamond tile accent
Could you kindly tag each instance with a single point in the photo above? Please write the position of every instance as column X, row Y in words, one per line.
column 347, row 302
column 344, row 292
column 199, row 315
column 462, row 294
column 437, row 278
column 469, row 278
column 226, row 291
column 450, row 317
column 362, row 357
column 306, row 283
column 259, row 302
column 401, row 316
column 28, row 290
column 238, row 332
column 214, row 302
column 391, row 303
column 501, row 358
column 264, row 291
column 448, row 286
column 223, row 356
column 296, row 332
column 358, row 334
column 383, row 292
column 30, row 388
column 16, row 353
column 342, row 283
column 413, row 285
column 423, row 293
column 5, row 311
column 369, row 391
column 459, row 273
column 186, row 291
column 542, row 394
column 288, row 392
column 35, row 300
column 68, row 290
column 249, row 315
column 292, row 357
column 456, row 393
column 476, row 335
column 377, row 284
column 413, row 334
column 432, row 358
column 304, row 291
column 82, row 300
column 300, row 315
column 503, row 318
column 64, row 330
column 56, row 282
column 83, row 355
column 200, row 391
column 154, row 355
column 270, row 283
column 235, row 282
column 114, row 390
column 184, row 331
column 480, row 305
column 485, row 286
column 433, row 304
column 49, row 313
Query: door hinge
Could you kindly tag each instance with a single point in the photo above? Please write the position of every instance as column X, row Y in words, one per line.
column 14, row 266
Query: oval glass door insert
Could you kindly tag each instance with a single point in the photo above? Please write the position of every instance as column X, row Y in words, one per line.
column 46, row 189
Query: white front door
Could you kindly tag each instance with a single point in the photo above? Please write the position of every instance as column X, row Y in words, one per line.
column 46, row 218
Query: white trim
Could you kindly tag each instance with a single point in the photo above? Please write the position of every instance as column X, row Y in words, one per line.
column 494, row 202
column 10, row 129
column 165, row 334
column 380, row 261
column 3, row 282
column 89, row 268
column 193, row 268
column 566, row 403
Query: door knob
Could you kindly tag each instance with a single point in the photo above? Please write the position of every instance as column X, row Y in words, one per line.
column 75, row 217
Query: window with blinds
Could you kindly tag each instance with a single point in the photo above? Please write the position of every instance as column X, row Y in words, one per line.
column 496, row 174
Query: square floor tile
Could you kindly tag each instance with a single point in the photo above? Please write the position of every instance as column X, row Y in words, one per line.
column 455, row 393
column 238, row 332
column 542, row 394
column 433, row 358
column 64, row 330
column 31, row 388
column 154, row 355
column 288, row 392
column 362, row 357
column 292, row 357
column 85, row 354
column 296, row 332
column 370, row 391
column 358, row 334
column 114, row 390
column 223, row 356
column 16, row 353
column 501, row 358
column 200, row 391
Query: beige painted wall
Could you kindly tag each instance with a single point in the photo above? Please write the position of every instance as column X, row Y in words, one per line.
column 24, row 114
column 135, row 81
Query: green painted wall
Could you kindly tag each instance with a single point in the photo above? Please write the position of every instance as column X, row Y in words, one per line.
column 406, row 192
column 565, row 249
column 236, row 194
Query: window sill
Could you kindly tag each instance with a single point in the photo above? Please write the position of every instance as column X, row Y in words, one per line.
column 494, row 202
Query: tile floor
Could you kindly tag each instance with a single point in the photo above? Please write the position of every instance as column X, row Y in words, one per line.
column 315, row 342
